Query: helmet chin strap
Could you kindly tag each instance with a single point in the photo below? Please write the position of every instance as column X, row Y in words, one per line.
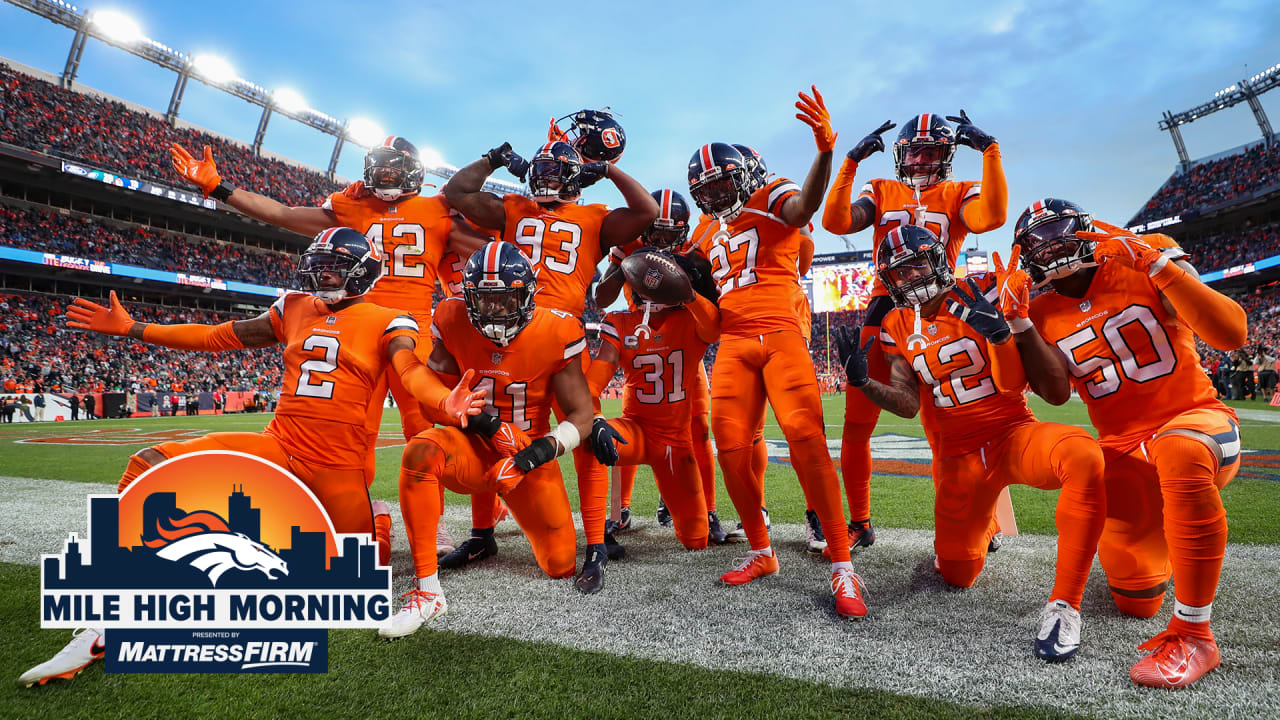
column 331, row 297
column 643, row 330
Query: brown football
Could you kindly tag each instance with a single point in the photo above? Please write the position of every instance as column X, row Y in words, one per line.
column 657, row 278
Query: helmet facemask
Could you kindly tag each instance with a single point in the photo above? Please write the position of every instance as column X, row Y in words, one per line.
column 723, row 194
column 555, row 180
column 392, row 174
column 1051, row 249
column 917, row 277
column 313, row 265
column 921, row 175
column 499, row 313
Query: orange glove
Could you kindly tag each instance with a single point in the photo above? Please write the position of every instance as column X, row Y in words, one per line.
column 813, row 112
column 509, row 440
column 201, row 173
column 555, row 134
column 462, row 402
column 89, row 315
column 504, row 476
column 1122, row 246
column 1015, row 290
column 356, row 190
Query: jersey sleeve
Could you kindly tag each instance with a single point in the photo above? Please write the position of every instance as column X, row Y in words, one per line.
column 276, row 313
column 970, row 190
column 400, row 326
column 779, row 191
column 609, row 332
column 328, row 202
column 444, row 318
column 571, row 339
column 887, row 343
column 869, row 194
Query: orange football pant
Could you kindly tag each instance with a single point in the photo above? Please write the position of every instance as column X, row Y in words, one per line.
column 1165, row 514
column 700, row 439
column 676, row 473
column 774, row 367
column 459, row 461
column 1042, row 455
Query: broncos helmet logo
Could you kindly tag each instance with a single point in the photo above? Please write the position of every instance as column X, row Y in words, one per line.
column 203, row 540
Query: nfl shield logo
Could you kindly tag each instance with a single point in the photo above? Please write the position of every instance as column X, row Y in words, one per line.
column 1085, row 305
column 496, row 358
column 933, row 328
column 392, row 209
column 331, row 320
column 652, row 278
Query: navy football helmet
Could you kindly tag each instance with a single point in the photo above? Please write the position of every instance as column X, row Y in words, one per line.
column 343, row 251
column 925, row 135
column 498, row 285
column 755, row 165
column 392, row 170
column 1046, row 230
column 596, row 135
column 719, row 180
column 912, row 265
column 671, row 227
column 555, row 173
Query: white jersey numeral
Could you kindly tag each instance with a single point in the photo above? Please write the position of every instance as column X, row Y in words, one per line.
column 963, row 393
column 1131, row 367
column 324, row 388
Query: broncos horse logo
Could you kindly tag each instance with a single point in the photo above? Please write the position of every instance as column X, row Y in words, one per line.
column 203, row 540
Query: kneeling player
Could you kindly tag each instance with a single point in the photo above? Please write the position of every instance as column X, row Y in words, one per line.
column 524, row 356
column 1121, row 321
column 321, row 428
column 941, row 345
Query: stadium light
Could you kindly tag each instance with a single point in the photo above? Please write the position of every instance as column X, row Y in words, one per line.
column 430, row 157
column 289, row 100
column 118, row 27
column 365, row 132
column 214, row 69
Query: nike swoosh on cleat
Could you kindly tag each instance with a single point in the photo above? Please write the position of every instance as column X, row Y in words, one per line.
column 473, row 556
column 99, row 648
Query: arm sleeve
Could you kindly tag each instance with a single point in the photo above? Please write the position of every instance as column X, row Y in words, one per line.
column 706, row 318
column 1216, row 318
column 423, row 384
column 599, row 375
column 212, row 338
column 1006, row 366
column 988, row 211
column 836, row 216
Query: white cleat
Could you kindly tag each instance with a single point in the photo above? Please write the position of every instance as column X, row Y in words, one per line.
column 1059, row 635
column 444, row 543
column 419, row 608
column 85, row 647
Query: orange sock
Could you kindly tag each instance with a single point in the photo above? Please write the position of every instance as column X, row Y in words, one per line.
column 1195, row 523
column 628, row 484
column 382, row 533
column 855, row 467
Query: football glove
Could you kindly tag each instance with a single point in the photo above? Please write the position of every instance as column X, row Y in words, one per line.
column 509, row 440
column 1015, row 290
column 356, row 190
column 592, row 172
column 852, row 358
column 504, row 156
column 978, row 312
column 88, row 315
column 870, row 144
column 484, row 425
column 968, row 134
column 555, row 134
column 201, row 173
column 603, row 441
column 542, row 450
column 462, row 403
column 504, row 476
column 813, row 112
column 1120, row 245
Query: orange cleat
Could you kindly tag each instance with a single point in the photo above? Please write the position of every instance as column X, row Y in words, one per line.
column 754, row 566
column 851, row 594
column 1175, row 660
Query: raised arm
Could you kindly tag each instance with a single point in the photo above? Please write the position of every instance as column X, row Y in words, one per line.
column 465, row 192
column 799, row 209
column 900, row 397
column 203, row 173
column 840, row 215
column 988, row 211
column 255, row 332
column 624, row 224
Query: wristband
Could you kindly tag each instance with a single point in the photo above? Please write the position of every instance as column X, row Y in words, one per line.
column 1020, row 324
column 223, row 191
column 566, row 433
column 540, row 451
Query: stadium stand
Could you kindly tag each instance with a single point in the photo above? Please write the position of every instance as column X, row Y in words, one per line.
column 1236, row 248
column 1215, row 182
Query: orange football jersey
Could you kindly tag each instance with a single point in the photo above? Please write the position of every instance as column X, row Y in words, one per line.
column 562, row 244
column 335, row 367
column 661, row 368
column 754, row 260
column 517, row 377
column 962, row 409
column 1131, row 361
column 412, row 234
column 938, row 210
column 449, row 273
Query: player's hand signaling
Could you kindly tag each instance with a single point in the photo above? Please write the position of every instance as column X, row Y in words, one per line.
column 356, row 190
column 980, row 314
column 504, row 156
column 1015, row 291
column 202, row 173
column 1120, row 245
column 853, row 358
column 603, row 441
column 870, row 144
column 968, row 134
column 88, row 315
column 462, row 401
column 813, row 112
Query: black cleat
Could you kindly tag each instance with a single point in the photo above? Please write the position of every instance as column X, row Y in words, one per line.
column 664, row 515
column 621, row 525
column 995, row 542
column 591, row 580
column 479, row 546
column 815, row 541
column 861, row 534
column 613, row 548
column 715, row 534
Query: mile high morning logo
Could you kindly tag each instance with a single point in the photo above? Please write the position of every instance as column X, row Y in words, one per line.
column 214, row 562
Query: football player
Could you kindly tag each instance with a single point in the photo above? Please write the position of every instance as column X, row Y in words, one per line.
column 763, row 355
column 1120, row 316
column 945, row 349
column 925, row 196
column 524, row 356
column 338, row 348
column 660, row 348
column 564, row 242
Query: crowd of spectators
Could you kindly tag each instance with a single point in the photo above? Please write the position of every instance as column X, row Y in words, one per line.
column 40, row 116
column 1236, row 248
column 1214, row 182
column 39, row 353
column 46, row 230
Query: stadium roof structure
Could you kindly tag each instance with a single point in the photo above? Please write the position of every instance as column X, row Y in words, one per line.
column 1244, row 91
column 121, row 31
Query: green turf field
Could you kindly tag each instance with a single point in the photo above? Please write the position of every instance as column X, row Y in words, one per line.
column 664, row 641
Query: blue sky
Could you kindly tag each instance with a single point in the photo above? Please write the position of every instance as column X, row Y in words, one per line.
column 1073, row 91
